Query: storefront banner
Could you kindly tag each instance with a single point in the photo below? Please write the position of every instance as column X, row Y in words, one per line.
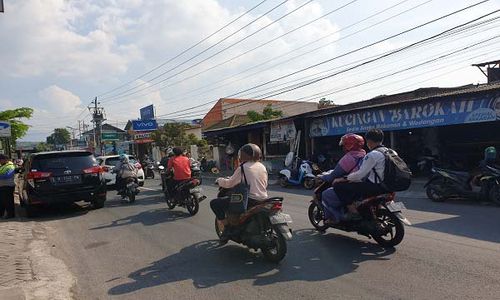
column 141, row 136
column 282, row 131
column 485, row 108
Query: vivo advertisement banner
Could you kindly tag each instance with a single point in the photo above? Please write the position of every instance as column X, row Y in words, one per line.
column 147, row 113
column 485, row 108
column 144, row 125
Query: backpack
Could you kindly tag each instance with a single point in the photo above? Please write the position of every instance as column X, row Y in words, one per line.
column 128, row 170
column 397, row 175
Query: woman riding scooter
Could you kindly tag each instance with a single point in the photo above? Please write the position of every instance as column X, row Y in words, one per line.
column 256, row 176
column 352, row 144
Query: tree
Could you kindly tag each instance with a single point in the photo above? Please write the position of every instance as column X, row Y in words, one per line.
column 19, row 129
column 268, row 113
column 60, row 136
column 323, row 102
column 174, row 134
column 40, row 147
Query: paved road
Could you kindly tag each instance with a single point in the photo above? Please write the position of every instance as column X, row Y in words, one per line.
column 145, row 251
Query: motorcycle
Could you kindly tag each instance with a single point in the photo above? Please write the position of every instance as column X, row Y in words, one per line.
column 494, row 192
column 262, row 226
column 187, row 194
column 445, row 184
column 382, row 218
column 303, row 175
column 149, row 169
column 131, row 189
column 196, row 170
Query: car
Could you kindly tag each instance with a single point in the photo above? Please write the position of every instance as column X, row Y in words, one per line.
column 61, row 176
column 110, row 161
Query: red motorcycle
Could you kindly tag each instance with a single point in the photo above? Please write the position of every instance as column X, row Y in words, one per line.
column 381, row 219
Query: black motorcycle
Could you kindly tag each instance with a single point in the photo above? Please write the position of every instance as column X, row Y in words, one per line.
column 381, row 220
column 494, row 185
column 149, row 169
column 447, row 184
column 186, row 194
column 262, row 226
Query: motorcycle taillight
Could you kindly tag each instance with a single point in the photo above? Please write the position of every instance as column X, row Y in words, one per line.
column 277, row 206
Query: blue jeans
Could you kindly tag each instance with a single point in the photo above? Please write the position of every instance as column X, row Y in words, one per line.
column 332, row 204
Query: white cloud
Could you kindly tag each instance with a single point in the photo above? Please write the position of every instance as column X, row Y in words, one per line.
column 59, row 101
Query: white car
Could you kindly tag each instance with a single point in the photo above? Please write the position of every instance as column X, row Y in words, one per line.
column 110, row 161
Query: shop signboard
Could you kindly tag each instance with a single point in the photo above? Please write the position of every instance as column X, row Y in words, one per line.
column 485, row 108
column 282, row 131
column 147, row 113
column 110, row 136
column 5, row 129
column 144, row 125
column 143, row 135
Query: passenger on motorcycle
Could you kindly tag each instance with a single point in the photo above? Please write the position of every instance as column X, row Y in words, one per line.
column 124, row 169
column 256, row 177
column 352, row 144
column 180, row 166
column 365, row 182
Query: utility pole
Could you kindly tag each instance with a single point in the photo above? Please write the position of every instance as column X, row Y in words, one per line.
column 98, row 116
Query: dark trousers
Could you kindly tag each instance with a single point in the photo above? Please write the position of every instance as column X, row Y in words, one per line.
column 348, row 192
column 220, row 205
column 7, row 201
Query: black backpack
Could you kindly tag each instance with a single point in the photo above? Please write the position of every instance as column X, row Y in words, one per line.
column 397, row 175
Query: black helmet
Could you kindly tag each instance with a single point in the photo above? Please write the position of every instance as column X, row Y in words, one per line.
column 249, row 152
column 177, row 151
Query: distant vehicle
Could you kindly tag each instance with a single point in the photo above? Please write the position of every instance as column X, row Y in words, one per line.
column 62, row 176
column 110, row 161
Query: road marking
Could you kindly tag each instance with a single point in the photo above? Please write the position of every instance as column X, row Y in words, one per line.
column 149, row 189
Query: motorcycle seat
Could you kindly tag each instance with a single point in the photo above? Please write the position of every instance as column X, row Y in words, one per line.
column 274, row 199
column 456, row 173
column 386, row 196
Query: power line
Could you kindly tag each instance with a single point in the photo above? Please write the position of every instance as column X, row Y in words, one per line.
column 354, row 51
column 186, row 50
column 200, row 53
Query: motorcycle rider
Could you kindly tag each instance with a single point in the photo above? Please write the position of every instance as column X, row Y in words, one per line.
column 366, row 181
column 352, row 145
column 180, row 166
column 256, row 177
column 124, row 169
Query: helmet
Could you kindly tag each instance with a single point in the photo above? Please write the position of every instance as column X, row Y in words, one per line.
column 351, row 142
column 490, row 153
column 249, row 152
column 123, row 157
column 177, row 151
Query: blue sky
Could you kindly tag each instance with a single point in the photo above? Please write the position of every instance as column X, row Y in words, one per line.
column 57, row 55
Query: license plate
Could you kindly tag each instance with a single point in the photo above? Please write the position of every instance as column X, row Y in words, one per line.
column 395, row 206
column 68, row 179
column 281, row 219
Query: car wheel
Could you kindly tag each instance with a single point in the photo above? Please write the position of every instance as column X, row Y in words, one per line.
column 31, row 211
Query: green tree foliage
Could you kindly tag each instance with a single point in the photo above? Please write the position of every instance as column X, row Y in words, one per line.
column 174, row 135
column 323, row 102
column 60, row 136
column 19, row 129
column 40, row 147
column 268, row 113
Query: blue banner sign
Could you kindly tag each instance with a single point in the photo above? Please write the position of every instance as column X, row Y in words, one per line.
column 147, row 113
column 144, row 125
column 485, row 108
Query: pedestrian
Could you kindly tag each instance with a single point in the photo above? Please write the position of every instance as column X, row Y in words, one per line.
column 7, row 187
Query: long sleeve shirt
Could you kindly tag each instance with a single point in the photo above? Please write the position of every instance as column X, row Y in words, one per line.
column 373, row 161
column 256, row 175
column 7, row 172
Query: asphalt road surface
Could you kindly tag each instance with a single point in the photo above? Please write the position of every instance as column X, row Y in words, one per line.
column 145, row 251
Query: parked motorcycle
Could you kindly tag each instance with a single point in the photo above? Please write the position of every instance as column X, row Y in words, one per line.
column 303, row 175
column 494, row 192
column 445, row 184
column 263, row 227
column 382, row 218
column 149, row 169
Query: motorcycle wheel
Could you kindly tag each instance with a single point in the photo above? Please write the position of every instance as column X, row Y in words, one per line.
column 192, row 205
column 433, row 193
column 396, row 233
column 152, row 175
column 218, row 231
column 276, row 253
column 170, row 203
column 317, row 217
column 131, row 197
column 309, row 183
column 283, row 181
column 495, row 194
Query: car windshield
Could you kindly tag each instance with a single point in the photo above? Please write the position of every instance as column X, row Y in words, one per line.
column 70, row 161
column 112, row 161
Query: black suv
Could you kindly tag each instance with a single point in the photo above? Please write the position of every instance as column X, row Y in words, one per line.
column 61, row 176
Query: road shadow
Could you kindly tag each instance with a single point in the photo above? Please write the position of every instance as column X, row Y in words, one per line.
column 311, row 257
column 117, row 201
column 56, row 211
column 147, row 218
